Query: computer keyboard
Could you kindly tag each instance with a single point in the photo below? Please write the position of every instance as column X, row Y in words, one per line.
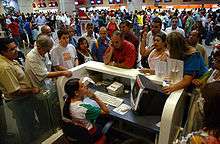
column 108, row 99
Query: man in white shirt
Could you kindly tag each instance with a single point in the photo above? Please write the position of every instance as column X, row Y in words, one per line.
column 174, row 27
column 64, row 55
column 90, row 35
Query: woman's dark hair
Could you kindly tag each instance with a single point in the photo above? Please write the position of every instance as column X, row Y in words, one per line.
column 177, row 45
column 70, row 87
column 163, row 36
column 81, row 41
column 211, row 94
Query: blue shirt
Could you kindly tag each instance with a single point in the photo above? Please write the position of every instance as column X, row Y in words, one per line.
column 99, row 51
column 194, row 65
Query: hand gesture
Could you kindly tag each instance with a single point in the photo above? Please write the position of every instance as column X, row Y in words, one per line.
column 168, row 89
column 144, row 35
column 197, row 82
column 67, row 73
column 35, row 90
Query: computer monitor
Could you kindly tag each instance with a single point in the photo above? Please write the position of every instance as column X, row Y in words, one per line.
column 147, row 97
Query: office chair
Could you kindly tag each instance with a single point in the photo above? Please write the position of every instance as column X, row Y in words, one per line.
column 76, row 134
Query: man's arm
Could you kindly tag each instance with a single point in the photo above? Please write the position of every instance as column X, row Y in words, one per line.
column 143, row 50
column 59, row 68
column 59, row 73
column 25, row 92
column 108, row 55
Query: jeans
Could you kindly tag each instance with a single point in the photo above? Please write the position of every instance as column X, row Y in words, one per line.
column 23, row 112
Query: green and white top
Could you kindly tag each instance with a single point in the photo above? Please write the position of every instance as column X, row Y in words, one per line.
column 84, row 114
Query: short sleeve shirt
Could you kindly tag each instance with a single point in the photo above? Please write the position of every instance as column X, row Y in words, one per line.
column 154, row 57
column 36, row 68
column 127, row 55
column 12, row 77
column 194, row 65
column 85, row 113
column 64, row 56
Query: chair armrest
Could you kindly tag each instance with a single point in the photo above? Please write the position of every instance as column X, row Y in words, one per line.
column 107, row 127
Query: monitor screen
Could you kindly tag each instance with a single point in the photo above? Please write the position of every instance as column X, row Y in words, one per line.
column 135, row 91
column 147, row 97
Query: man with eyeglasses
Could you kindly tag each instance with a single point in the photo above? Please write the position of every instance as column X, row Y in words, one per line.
column 17, row 89
column 174, row 26
column 46, row 30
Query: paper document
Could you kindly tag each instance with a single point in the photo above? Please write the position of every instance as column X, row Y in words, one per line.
column 158, row 124
column 122, row 109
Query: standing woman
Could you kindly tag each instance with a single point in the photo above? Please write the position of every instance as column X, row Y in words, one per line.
column 159, row 53
column 194, row 66
column 83, row 53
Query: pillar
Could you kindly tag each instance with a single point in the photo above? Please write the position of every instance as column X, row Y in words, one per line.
column 134, row 5
column 25, row 6
column 1, row 7
column 67, row 6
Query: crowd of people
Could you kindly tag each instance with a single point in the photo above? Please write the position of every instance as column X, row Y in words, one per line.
column 116, row 38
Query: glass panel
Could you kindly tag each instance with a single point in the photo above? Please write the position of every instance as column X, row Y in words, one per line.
column 30, row 119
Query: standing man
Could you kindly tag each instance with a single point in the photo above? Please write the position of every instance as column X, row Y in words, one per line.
column 174, row 27
column 64, row 55
column 17, row 90
column 46, row 30
column 193, row 40
column 102, row 43
column 72, row 38
column 38, row 71
column 189, row 23
column 95, row 22
column 120, row 53
column 40, row 21
column 128, row 34
column 90, row 35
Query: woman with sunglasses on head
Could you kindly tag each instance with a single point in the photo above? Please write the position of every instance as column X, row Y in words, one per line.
column 194, row 66
column 160, row 53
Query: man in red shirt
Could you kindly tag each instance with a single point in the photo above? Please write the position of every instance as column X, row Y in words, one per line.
column 121, row 53
column 14, row 27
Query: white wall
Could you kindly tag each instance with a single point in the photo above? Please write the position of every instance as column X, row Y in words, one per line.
column 135, row 5
column 25, row 6
column 67, row 6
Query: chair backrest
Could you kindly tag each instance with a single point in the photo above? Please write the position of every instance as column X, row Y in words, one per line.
column 77, row 133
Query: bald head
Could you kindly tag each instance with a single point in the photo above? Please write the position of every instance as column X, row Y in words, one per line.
column 46, row 30
column 103, row 32
column 193, row 37
column 44, row 44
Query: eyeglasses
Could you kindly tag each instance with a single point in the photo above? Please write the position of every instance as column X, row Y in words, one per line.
column 15, row 48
